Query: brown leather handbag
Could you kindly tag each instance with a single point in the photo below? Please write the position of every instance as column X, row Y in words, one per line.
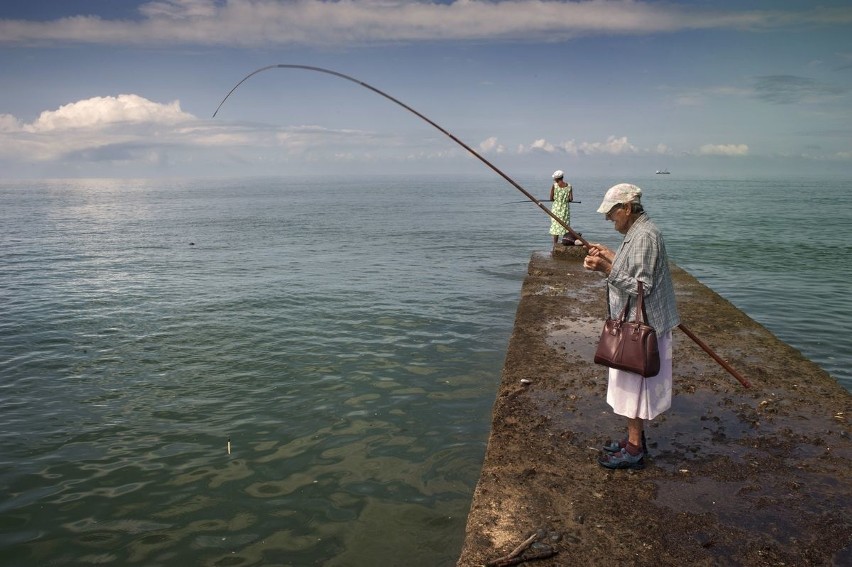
column 629, row 345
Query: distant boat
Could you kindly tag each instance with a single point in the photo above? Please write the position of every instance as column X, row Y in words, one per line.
column 663, row 172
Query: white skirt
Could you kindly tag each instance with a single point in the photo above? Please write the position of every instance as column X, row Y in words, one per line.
column 632, row 396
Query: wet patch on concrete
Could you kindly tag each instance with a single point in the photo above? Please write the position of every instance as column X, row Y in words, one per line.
column 575, row 336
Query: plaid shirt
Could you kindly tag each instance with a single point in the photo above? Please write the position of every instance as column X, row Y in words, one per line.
column 642, row 256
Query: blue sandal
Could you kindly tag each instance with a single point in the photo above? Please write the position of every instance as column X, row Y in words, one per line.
column 622, row 460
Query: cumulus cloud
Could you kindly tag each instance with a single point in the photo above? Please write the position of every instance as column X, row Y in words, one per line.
column 540, row 145
column 108, row 111
column 612, row 146
column 9, row 123
column 271, row 22
column 723, row 150
column 90, row 127
column 130, row 128
column 491, row 145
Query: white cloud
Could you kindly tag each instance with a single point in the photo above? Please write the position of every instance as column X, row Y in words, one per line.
column 540, row 145
column 271, row 22
column 96, row 128
column 132, row 129
column 570, row 147
column 723, row 150
column 9, row 123
column 103, row 112
column 491, row 145
column 612, row 146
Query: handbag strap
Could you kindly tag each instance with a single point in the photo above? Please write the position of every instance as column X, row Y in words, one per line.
column 641, row 314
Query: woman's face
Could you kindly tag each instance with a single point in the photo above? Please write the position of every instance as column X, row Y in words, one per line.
column 620, row 216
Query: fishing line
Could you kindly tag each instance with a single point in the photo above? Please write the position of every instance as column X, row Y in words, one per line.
column 526, row 193
column 573, row 234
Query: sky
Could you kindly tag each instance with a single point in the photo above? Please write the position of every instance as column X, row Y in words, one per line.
column 704, row 88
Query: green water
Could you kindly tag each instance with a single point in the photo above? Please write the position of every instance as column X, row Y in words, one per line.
column 347, row 339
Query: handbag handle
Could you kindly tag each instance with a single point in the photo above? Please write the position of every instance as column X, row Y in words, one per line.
column 641, row 314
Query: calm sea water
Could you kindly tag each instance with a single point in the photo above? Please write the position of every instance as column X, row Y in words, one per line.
column 347, row 339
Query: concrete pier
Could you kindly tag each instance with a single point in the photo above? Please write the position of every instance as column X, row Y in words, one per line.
column 736, row 476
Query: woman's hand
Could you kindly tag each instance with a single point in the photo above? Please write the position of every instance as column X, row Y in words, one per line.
column 597, row 264
column 599, row 258
column 599, row 250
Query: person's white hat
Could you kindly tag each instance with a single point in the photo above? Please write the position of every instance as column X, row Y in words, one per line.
column 618, row 195
column 558, row 174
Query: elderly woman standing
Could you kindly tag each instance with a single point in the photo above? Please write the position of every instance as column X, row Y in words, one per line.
column 561, row 193
column 640, row 257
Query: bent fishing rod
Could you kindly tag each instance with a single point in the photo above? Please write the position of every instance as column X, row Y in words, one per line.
column 408, row 108
column 576, row 236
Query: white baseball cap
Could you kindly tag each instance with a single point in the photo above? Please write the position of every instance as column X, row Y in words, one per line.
column 618, row 195
column 558, row 174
